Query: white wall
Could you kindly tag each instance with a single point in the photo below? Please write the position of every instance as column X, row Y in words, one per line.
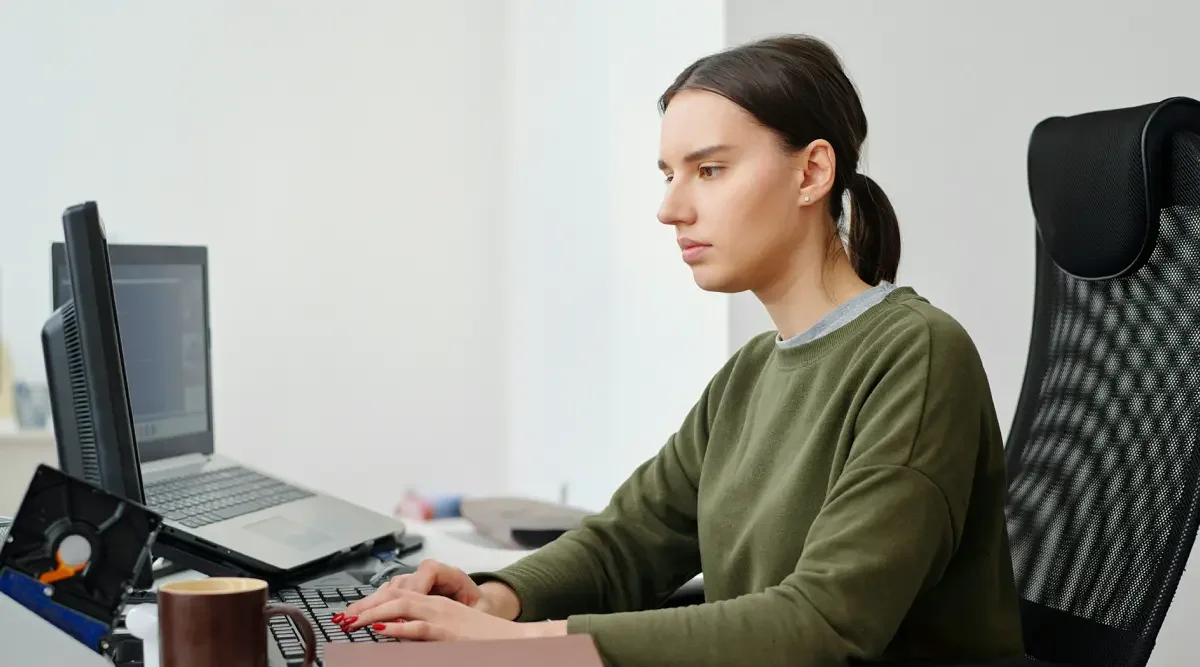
column 952, row 91
column 345, row 164
column 611, row 341
column 435, row 259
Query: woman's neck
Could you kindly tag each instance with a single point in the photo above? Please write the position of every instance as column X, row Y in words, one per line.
column 810, row 291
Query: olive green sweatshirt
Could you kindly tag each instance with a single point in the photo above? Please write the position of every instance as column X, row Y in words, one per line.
column 843, row 498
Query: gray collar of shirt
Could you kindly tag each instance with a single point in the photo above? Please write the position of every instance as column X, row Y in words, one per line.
column 839, row 317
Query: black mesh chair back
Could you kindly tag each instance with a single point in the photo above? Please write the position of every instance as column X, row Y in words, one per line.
column 1104, row 451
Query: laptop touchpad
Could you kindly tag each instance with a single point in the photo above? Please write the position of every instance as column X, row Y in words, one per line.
column 288, row 532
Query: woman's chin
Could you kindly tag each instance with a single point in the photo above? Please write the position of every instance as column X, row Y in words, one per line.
column 710, row 279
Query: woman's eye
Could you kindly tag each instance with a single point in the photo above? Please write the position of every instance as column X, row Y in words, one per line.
column 709, row 171
column 667, row 178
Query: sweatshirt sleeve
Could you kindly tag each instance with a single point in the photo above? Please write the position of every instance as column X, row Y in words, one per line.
column 639, row 549
column 887, row 529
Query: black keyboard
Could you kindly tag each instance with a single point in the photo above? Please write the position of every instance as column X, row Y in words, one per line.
column 318, row 605
column 215, row 495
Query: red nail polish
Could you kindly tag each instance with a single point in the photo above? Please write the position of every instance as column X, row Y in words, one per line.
column 337, row 618
column 378, row 627
column 349, row 619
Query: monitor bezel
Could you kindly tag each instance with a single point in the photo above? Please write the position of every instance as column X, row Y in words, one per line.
column 155, row 255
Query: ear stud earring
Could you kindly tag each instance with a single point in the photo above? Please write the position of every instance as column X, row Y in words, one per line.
column 806, row 199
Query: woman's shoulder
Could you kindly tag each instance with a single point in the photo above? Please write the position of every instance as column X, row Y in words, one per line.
column 912, row 327
column 913, row 318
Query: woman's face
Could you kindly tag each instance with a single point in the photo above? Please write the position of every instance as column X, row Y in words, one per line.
column 733, row 194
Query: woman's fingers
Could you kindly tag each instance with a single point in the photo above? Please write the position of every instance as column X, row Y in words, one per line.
column 422, row 580
column 430, row 577
column 420, row 631
column 453, row 583
column 385, row 593
column 405, row 606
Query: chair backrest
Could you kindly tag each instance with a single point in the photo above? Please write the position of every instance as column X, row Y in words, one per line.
column 1104, row 451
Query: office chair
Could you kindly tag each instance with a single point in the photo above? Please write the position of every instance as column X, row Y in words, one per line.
column 1104, row 450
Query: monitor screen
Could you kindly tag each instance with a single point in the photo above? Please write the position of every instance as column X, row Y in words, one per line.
column 162, row 308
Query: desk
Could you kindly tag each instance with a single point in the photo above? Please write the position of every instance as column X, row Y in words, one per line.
column 451, row 541
column 34, row 642
column 455, row 542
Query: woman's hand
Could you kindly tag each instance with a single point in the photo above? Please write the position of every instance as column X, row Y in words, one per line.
column 434, row 578
column 416, row 616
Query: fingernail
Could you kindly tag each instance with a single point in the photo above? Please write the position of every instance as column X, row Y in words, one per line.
column 377, row 627
column 349, row 619
column 337, row 618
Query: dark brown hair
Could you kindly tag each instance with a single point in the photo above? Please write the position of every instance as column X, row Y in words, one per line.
column 796, row 86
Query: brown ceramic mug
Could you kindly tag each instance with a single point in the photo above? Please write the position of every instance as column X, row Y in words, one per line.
column 221, row 622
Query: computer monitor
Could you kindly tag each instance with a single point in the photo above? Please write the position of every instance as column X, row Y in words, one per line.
column 85, row 371
column 162, row 304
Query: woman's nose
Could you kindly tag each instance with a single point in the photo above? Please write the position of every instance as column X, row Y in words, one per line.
column 675, row 209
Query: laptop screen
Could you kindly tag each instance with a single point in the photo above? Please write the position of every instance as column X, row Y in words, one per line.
column 161, row 295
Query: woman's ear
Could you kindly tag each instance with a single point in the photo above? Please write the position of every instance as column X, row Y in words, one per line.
column 815, row 168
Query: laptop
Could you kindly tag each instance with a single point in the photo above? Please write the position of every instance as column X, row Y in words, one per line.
column 221, row 517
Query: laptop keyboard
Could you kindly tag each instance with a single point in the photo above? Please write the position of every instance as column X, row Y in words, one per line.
column 319, row 606
column 216, row 495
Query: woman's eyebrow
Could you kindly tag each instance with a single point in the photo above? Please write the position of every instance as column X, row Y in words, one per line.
column 698, row 154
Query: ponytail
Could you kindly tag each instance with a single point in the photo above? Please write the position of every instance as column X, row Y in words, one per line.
column 874, row 243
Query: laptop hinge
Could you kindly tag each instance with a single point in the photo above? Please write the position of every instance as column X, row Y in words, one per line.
column 174, row 463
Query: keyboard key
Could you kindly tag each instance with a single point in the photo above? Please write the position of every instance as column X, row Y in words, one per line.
column 350, row 594
column 216, row 495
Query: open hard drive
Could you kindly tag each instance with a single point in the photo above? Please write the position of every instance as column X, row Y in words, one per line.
column 73, row 552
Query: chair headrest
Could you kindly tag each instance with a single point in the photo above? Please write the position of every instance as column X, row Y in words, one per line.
column 1097, row 182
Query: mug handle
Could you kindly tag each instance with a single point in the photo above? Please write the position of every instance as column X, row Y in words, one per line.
column 306, row 629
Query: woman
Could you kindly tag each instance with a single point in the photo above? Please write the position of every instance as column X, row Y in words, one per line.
column 840, row 483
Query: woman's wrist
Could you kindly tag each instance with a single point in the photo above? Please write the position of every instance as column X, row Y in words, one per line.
column 497, row 599
column 547, row 629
